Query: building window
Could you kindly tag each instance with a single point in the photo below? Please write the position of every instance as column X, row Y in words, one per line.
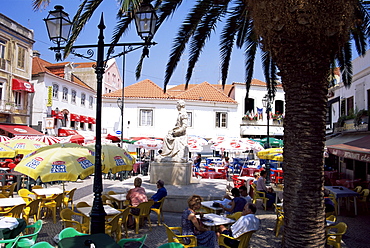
column 248, row 105
column 21, row 57
column 221, row 119
column 73, row 124
column 279, row 107
column 190, row 119
column 82, row 126
column 1, row 90
column 18, row 98
column 65, row 94
column 55, row 91
column 350, row 107
column 91, row 101
column 73, row 98
column 83, row 98
column 146, row 117
column 2, row 55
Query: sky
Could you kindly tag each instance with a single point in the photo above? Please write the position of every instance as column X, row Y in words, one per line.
column 207, row 68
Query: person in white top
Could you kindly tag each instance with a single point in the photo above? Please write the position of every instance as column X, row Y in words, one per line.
column 247, row 222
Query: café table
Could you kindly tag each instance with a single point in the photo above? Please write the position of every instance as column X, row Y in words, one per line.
column 215, row 168
column 278, row 192
column 11, row 227
column 108, row 210
column 214, row 220
column 48, row 191
column 208, row 205
column 211, row 174
column 100, row 240
column 343, row 192
column 10, row 202
column 247, row 180
column 120, row 199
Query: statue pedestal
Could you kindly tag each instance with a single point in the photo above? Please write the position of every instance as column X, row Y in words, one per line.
column 171, row 173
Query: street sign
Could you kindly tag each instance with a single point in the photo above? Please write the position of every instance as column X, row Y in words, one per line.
column 118, row 132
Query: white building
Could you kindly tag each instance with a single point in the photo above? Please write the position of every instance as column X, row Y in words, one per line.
column 62, row 102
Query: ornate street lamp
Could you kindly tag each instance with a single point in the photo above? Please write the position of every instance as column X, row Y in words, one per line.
column 120, row 102
column 58, row 26
column 266, row 102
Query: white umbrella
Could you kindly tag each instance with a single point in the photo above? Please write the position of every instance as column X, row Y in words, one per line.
column 149, row 144
column 4, row 138
column 49, row 140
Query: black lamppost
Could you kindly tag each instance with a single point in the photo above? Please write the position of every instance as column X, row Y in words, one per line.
column 59, row 26
column 120, row 102
column 266, row 101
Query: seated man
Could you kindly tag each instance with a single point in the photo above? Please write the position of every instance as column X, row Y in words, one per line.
column 261, row 186
column 244, row 194
column 237, row 203
column 247, row 222
column 161, row 192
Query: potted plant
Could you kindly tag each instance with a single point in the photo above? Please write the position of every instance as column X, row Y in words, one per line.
column 8, row 106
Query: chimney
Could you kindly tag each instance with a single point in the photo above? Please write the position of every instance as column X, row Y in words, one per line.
column 36, row 53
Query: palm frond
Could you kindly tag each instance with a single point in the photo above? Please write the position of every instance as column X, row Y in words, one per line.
column 227, row 38
column 87, row 8
column 139, row 67
column 128, row 5
column 166, row 8
column 202, row 33
column 121, row 28
column 269, row 71
column 360, row 31
column 344, row 61
column 36, row 4
column 250, row 57
column 186, row 31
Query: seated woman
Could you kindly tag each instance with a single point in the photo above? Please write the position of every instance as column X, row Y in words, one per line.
column 191, row 225
column 136, row 196
column 237, row 203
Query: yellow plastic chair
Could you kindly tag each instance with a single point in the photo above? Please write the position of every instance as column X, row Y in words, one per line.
column 332, row 218
column 334, row 200
column 32, row 209
column 3, row 196
column 122, row 242
column 106, row 200
column 82, row 205
column 113, row 227
column 68, row 198
column 279, row 221
column 124, row 218
column 178, row 238
column 8, row 190
column 144, row 213
column 357, row 189
column 68, row 221
column 158, row 210
column 15, row 211
column 243, row 239
column 362, row 200
column 235, row 216
column 259, row 195
column 53, row 204
column 27, row 195
column 334, row 238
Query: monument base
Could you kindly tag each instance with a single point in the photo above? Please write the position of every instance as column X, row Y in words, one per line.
column 171, row 173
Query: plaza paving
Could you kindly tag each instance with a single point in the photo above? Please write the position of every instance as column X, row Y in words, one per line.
column 357, row 235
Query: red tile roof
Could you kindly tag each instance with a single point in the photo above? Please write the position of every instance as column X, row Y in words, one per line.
column 148, row 89
column 257, row 82
column 181, row 88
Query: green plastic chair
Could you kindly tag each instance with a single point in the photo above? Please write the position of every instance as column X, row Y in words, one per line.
column 69, row 232
column 122, row 242
column 42, row 244
column 8, row 243
column 171, row 245
column 29, row 239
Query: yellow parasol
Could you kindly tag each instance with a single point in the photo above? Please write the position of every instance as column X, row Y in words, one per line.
column 269, row 151
column 275, row 156
column 6, row 151
column 114, row 158
column 24, row 146
column 58, row 162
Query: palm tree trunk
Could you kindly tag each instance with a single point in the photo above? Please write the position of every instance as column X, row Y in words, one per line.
column 302, row 37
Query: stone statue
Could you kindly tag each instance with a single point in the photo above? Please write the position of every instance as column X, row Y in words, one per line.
column 175, row 144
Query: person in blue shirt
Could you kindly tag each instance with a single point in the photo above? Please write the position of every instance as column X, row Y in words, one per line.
column 161, row 192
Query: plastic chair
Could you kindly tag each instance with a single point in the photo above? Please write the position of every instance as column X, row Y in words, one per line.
column 332, row 218
column 357, row 189
column 15, row 211
column 53, row 205
column 158, row 210
column 69, row 232
column 8, row 243
column 124, row 217
column 144, row 212
column 122, row 242
column 334, row 239
column 243, row 239
column 27, row 195
column 3, row 196
column 363, row 199
column 67, row 218
column 114, row 226
column 172, row 245
column 68, row 198
column 235, row 216
column 259, row 195
column 82, row 205
column 237, row 182
column 279, row 221
column 32, row 209
column 178, row 238
column 29, row 239
column 42, row 244
column 8, row 190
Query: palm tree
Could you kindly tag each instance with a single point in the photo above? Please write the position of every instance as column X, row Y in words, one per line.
column 303, row 39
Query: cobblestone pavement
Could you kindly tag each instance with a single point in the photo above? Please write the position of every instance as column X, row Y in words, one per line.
column 357, row 235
